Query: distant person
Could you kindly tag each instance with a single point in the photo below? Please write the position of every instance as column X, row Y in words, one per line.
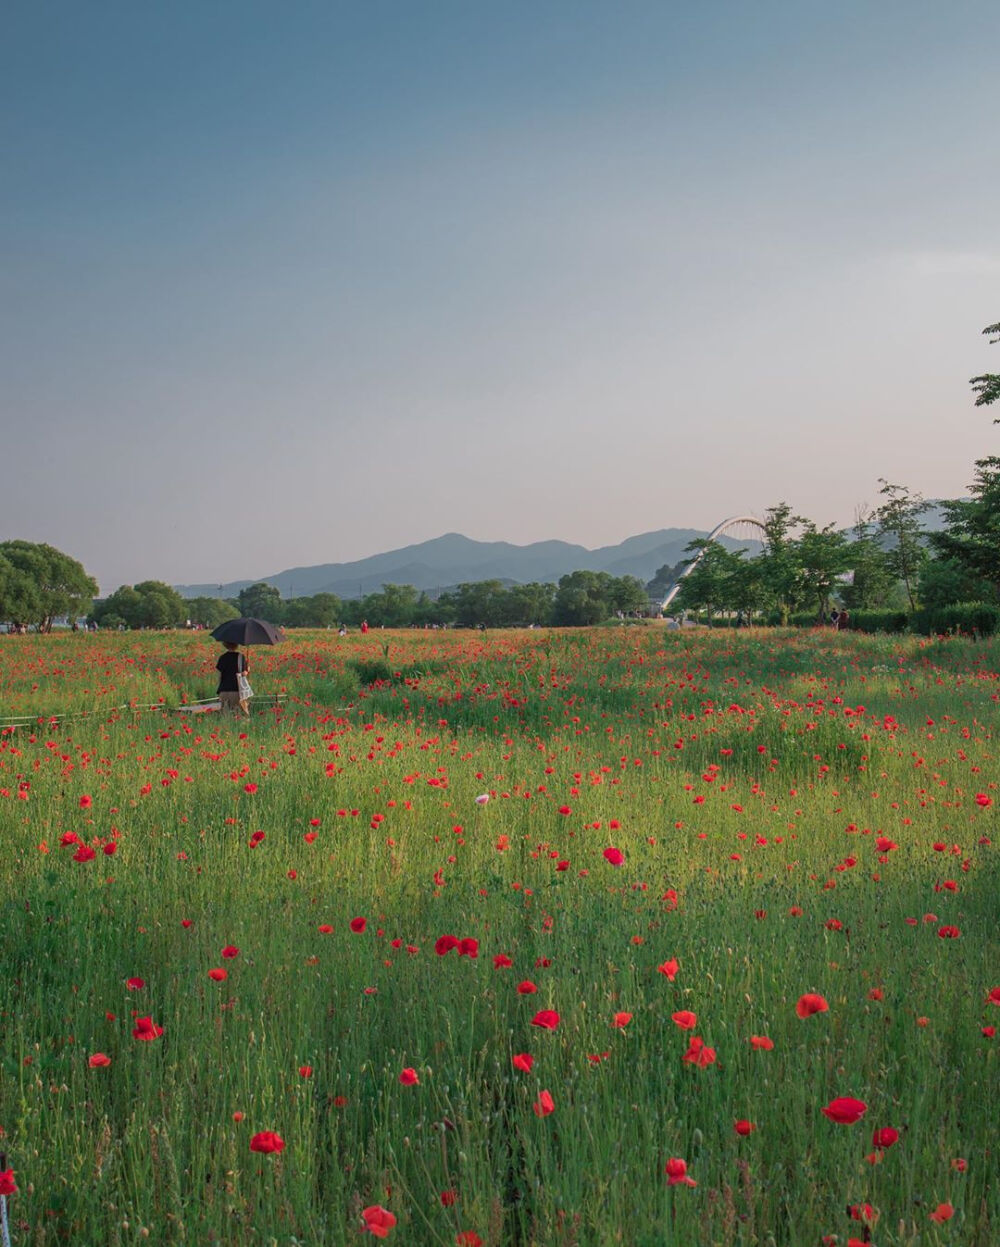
column 364, row 627
column 343, row 630
column 230, row 666
column 843, row 620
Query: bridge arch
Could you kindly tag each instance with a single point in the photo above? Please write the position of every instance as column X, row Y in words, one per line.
column 734, row 522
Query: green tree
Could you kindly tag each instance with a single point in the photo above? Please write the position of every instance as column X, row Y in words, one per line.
column 945, row 581
column 321, row 610
column 530, row 603
column 779, row 568
column 710, row 584
column 972, row 535
column 666, row 576
column 124, row 604
column 872, row 582
column 45, row 582
column 393, row 606
column 987, row 387
column 162, row 606
column 209, row 612
column 823, row 555
column 898, row 520
column 479, row 602
column 628, row 595
column 582, row 598
column 261, row 601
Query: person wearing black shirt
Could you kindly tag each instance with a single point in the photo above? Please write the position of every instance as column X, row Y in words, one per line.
column 231, row 664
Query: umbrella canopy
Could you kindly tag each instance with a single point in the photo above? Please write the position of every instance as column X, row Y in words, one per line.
column 248, row 632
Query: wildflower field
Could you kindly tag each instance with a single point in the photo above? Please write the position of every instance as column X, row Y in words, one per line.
column 611, row 936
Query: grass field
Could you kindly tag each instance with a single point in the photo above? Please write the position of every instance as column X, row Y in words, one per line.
column 595, row 937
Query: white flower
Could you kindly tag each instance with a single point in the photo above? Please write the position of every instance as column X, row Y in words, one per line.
column 483, row 798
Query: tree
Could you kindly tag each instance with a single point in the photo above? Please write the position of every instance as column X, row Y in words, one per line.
column 582, row 598
column 945, row 581
column 530, row 603
column 628, row 595
column 150, row 604
column 823, row 555
column 209, row 612
column 709, row 586
column 972, row 535
column 665, row 577
column 778, row 566
column 43, row 583
column 898, row 519
column 261, row 601
column 478, row 602
column 872, row 582
column 987, row 387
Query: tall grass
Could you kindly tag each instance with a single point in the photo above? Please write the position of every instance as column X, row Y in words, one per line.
column 746, row 780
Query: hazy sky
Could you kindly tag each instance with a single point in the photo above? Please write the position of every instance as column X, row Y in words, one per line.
column 294, row 283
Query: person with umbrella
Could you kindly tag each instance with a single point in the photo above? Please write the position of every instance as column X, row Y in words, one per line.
column 232, row 666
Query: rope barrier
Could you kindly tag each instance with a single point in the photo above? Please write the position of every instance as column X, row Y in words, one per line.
column 196, row 707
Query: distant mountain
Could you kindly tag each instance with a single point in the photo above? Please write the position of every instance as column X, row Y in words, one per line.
column 453, row 559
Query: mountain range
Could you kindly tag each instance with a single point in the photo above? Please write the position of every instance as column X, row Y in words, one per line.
column 452, row 559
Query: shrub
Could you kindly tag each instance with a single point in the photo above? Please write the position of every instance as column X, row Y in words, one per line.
column 967, row 618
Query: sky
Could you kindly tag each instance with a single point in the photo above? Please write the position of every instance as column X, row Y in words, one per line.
column 301, row 283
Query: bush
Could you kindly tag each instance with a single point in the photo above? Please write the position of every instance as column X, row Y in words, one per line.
column 879, row 621
column 966, row 618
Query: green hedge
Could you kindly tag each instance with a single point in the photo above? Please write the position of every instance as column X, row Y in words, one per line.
column 968, row 618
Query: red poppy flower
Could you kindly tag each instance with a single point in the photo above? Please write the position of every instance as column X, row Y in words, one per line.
column 761, row 1042
column 983, row 800
column 325, row 928
column 146, row 1030
column 885, row 1137
column 358, row 925
column 99, row 1060
column 230, row 951
column 409, row 1077
column 444, row 944
column 677, row 1174
column 218, row 975
column 468, row 948
column 546, row 1019
column 669, row 968
column 811, row 1003
column 501, row 961
column 622, row 1019
column 135, row 985
column 544, row 1104
column 942, row 1213
column 378, row 1220
column 468, row 1238
column 527, row 988
column 87, row 801
column 699, row 1053
column 449, row 1198
column 266, row 1142
column 305, row 1071
column 523, row 1061
column 614, row 857
column 7, row 1184
column 949, row 933
column 744, row 1127
column 84, row 854
column 685, row 1019
column 845, row 1110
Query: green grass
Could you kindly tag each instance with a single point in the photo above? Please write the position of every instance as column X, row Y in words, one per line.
column 751, row 889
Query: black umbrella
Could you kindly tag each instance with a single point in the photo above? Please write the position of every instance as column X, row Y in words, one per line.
column 248, row 632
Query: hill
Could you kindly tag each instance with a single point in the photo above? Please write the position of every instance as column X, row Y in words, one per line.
column 454, row 559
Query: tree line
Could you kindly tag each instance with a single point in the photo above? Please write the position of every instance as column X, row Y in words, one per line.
column 887, row 562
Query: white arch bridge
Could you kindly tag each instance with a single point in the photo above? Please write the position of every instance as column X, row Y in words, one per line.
column 742, row 527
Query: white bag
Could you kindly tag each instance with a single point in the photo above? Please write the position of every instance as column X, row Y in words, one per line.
column 246, row 692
